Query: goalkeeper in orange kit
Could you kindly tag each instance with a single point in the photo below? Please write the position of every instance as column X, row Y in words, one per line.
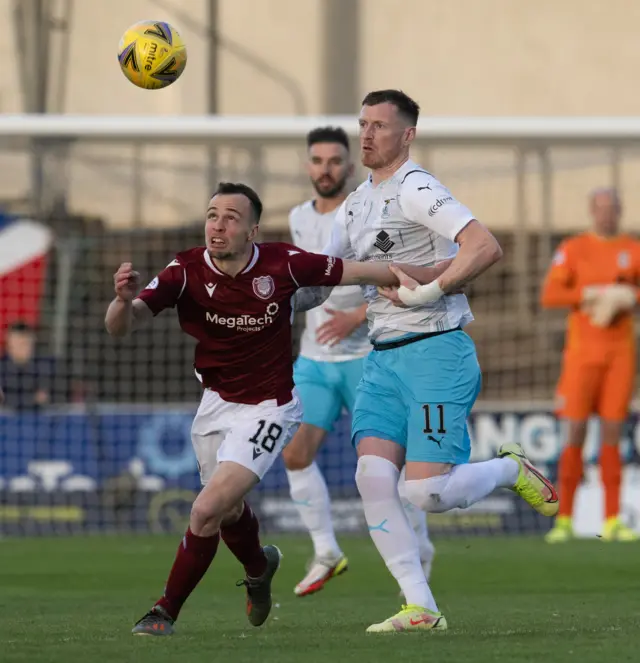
column 595, row 275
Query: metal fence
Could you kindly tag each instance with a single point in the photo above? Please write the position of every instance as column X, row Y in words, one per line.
column 116, row 189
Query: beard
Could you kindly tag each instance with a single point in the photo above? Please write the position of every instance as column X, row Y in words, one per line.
column 371, row 159
column 330, row 187
column 223, row 254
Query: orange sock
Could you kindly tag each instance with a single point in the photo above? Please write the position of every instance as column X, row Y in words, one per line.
column 569, row 475
column 611, row 474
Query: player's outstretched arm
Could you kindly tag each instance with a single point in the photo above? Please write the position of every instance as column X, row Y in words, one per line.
column 479, row 249
column 126, row 314
column 379, row 274
column 426, row 274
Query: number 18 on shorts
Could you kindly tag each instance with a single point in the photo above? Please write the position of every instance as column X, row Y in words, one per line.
column 250, row 435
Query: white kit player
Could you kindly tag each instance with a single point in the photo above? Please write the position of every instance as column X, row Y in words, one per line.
column 422, row 378
column 329, row 367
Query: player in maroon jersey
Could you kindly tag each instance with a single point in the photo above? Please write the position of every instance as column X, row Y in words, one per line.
column 235, row 298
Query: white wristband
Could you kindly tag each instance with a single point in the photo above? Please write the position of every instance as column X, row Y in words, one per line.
column 423, row 294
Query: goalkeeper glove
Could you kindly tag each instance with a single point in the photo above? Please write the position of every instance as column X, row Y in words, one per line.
column 603, row 303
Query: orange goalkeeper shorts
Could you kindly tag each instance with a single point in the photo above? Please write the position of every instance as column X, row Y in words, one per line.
column 603, row 387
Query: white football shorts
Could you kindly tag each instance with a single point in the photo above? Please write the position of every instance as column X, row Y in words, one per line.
column 251, row 435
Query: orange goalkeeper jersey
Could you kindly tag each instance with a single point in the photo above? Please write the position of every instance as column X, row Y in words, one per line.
column 584, row 260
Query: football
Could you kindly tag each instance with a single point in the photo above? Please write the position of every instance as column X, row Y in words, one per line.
column 152, row 54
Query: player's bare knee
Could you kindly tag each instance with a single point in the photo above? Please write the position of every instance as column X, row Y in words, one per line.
column 576, row 433
column 373, row 446
column 610, row 431
column 233, row 514
column 376, row 478
column 296, row 457
column 302, row 449
column 207, row 513
column 204, row 522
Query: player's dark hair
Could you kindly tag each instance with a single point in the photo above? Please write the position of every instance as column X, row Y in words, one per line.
column 230, row 188
column 403, row 102
column 328, row 135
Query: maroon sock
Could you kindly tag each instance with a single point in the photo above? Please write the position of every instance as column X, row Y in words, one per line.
column 243, row 540
column 194, row 556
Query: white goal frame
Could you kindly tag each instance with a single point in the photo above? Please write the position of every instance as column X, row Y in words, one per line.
column 538, row 131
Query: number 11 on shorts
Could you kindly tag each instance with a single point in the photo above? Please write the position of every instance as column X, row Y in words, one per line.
column 427, row 419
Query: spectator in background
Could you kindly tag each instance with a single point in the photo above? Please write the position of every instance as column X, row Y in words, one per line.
column 26, row 378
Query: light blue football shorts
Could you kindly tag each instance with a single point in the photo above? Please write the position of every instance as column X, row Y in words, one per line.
column 325, row 388
column 419, row 395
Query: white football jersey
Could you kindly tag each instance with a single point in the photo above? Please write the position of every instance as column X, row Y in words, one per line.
column 311, row 231
column 410, row 218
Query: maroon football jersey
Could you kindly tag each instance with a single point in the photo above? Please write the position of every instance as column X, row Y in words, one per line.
column 242, row 323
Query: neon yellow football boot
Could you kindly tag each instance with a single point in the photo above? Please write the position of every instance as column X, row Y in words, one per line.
column 615, row 530
column 561, row 532
column 411, row 618
column 531, row 485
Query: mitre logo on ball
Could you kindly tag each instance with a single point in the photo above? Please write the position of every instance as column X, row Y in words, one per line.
column 264, row 287
column 152, row 54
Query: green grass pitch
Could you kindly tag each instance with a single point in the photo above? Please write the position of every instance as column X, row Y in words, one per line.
column 506, row 599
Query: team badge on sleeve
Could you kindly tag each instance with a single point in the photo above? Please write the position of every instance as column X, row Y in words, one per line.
column 263, row 287
column 624, row 260
column 558, row 258
column 153, row 285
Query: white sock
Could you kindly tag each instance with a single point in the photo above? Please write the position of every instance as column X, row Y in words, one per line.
column 309, row 493
column 463, row 486
column 377, row 481
column 418, row 521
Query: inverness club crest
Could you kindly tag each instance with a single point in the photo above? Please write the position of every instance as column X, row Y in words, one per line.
column 264, row 287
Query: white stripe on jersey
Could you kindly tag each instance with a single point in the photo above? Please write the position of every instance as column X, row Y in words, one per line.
column 311, row 231
column 410, row 218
